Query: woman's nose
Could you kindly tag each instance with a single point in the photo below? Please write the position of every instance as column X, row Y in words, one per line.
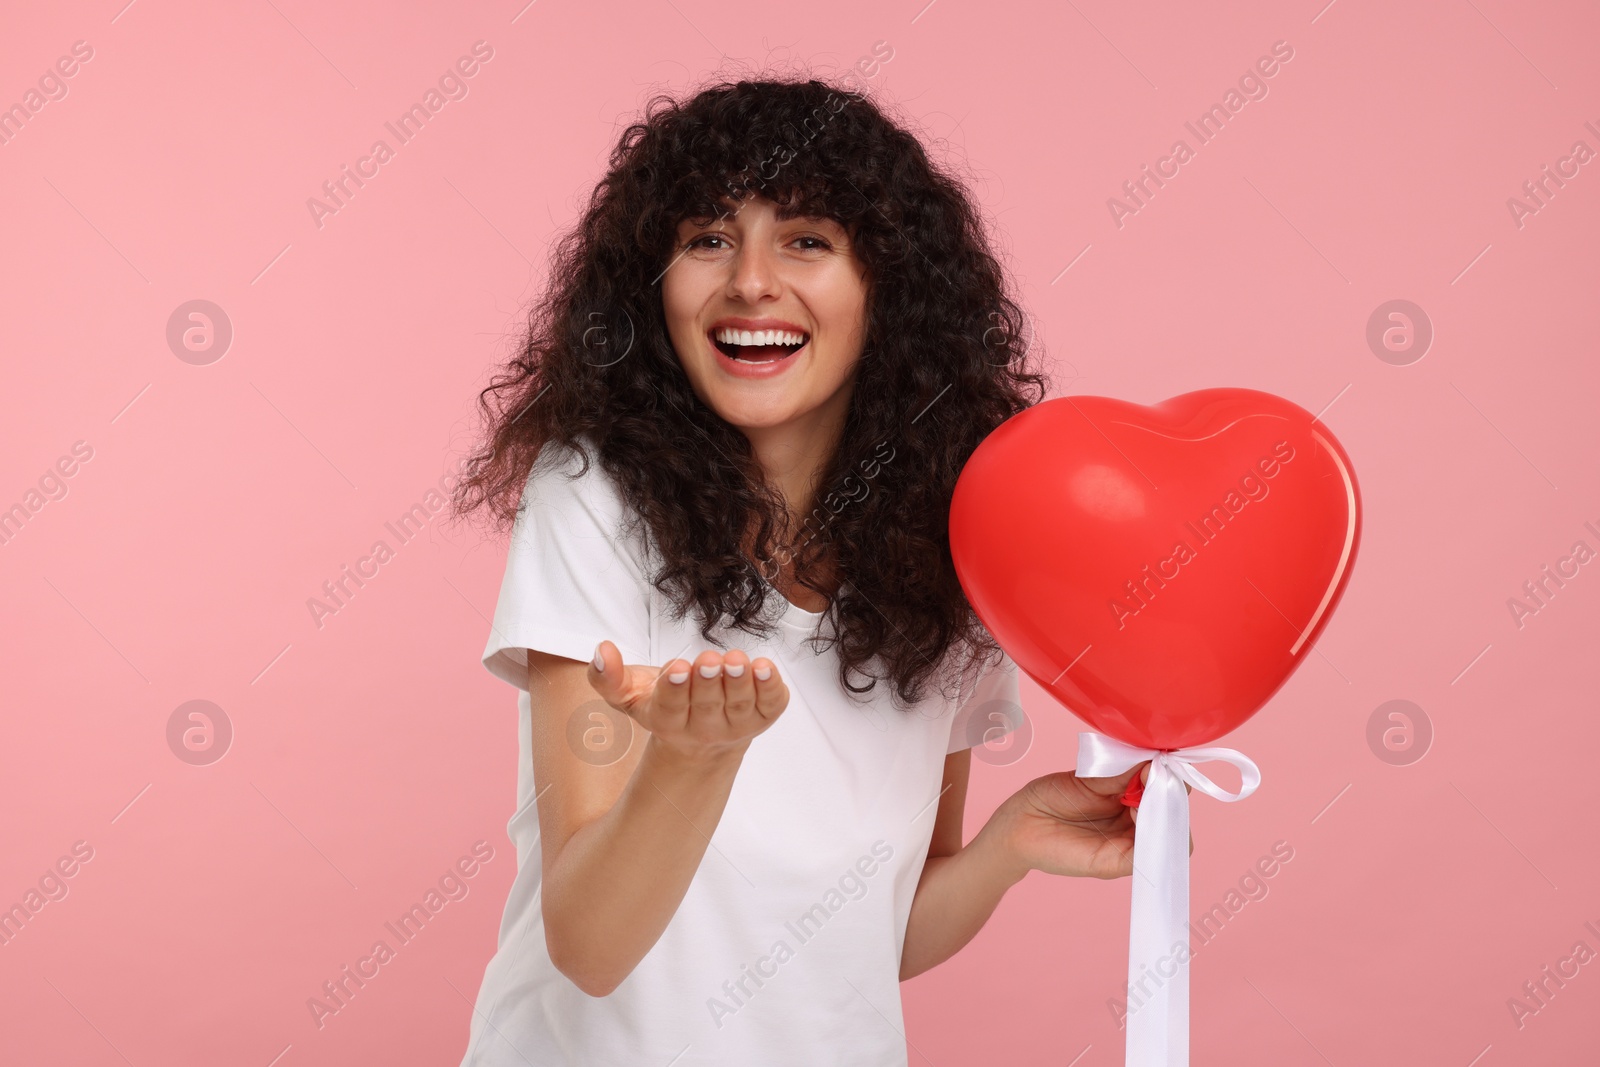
column 755, row 273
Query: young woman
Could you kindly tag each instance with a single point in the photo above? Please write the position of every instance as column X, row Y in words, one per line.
column 750, row 682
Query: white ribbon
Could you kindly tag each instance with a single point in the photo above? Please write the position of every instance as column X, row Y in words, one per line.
column 1158, row 941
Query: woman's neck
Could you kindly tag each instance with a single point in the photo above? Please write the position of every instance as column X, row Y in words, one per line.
column 792, row 456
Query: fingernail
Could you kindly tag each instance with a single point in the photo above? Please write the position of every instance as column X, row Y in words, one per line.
column 710, row 670
column 763, row 673
column 599, row 663
column 678, row 677
column 735, row 670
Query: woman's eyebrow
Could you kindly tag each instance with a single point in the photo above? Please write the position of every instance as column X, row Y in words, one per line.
column 798, row 216
column 719, row 213
column 705, row 222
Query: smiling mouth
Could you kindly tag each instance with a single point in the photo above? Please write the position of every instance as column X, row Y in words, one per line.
column 759, row 353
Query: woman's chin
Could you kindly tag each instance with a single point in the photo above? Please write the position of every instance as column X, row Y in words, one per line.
column 741, row 413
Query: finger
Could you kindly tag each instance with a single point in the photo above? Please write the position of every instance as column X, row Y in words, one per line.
column 739, row 690
column 598, row 676
column 1065, row 796
column 772, row 695
column 609, row 677
column 669, row 702
column 1113, row 786
column 1125, row 863
column 707, row 717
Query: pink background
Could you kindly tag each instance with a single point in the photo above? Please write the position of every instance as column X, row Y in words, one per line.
column 370, row 753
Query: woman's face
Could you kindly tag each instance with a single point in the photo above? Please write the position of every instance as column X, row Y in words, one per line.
column 750, row 277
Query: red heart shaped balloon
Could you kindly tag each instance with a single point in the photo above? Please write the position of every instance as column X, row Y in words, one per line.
column 1161, row 571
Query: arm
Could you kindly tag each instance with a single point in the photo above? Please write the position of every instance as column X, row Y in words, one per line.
column 1060, row 824
column 960, row 887
column 622, row 842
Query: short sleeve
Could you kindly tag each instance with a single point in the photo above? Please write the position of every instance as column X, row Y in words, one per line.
column 993, row 710
column 574, row 577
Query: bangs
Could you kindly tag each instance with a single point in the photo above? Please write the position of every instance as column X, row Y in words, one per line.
column 712, row 197
column 800, row 149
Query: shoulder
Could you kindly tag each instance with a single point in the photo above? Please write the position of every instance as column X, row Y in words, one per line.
column 567, row 470
column 570, row 477
column 569, row 494
column 997, row 678
column 573, row 577
column 990, row 705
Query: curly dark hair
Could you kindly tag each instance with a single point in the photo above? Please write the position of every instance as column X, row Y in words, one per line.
column 944, row 362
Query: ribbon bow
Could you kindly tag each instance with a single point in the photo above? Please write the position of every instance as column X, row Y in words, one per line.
column 1158, row 941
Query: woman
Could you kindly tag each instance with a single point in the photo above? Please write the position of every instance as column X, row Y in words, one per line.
column 750, row 681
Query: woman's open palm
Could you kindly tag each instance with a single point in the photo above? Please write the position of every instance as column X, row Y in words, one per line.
column 710, row 708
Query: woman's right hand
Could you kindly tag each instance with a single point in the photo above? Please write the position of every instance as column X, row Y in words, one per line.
column 696, row 717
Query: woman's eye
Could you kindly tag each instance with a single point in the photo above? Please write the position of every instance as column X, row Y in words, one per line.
column 815, row 243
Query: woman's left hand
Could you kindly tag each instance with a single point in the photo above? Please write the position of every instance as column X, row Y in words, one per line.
column 1063, row 824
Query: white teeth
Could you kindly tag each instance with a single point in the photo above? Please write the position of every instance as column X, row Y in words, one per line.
column 759, row 337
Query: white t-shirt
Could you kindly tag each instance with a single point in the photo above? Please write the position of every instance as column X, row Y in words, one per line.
column 786, row 946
